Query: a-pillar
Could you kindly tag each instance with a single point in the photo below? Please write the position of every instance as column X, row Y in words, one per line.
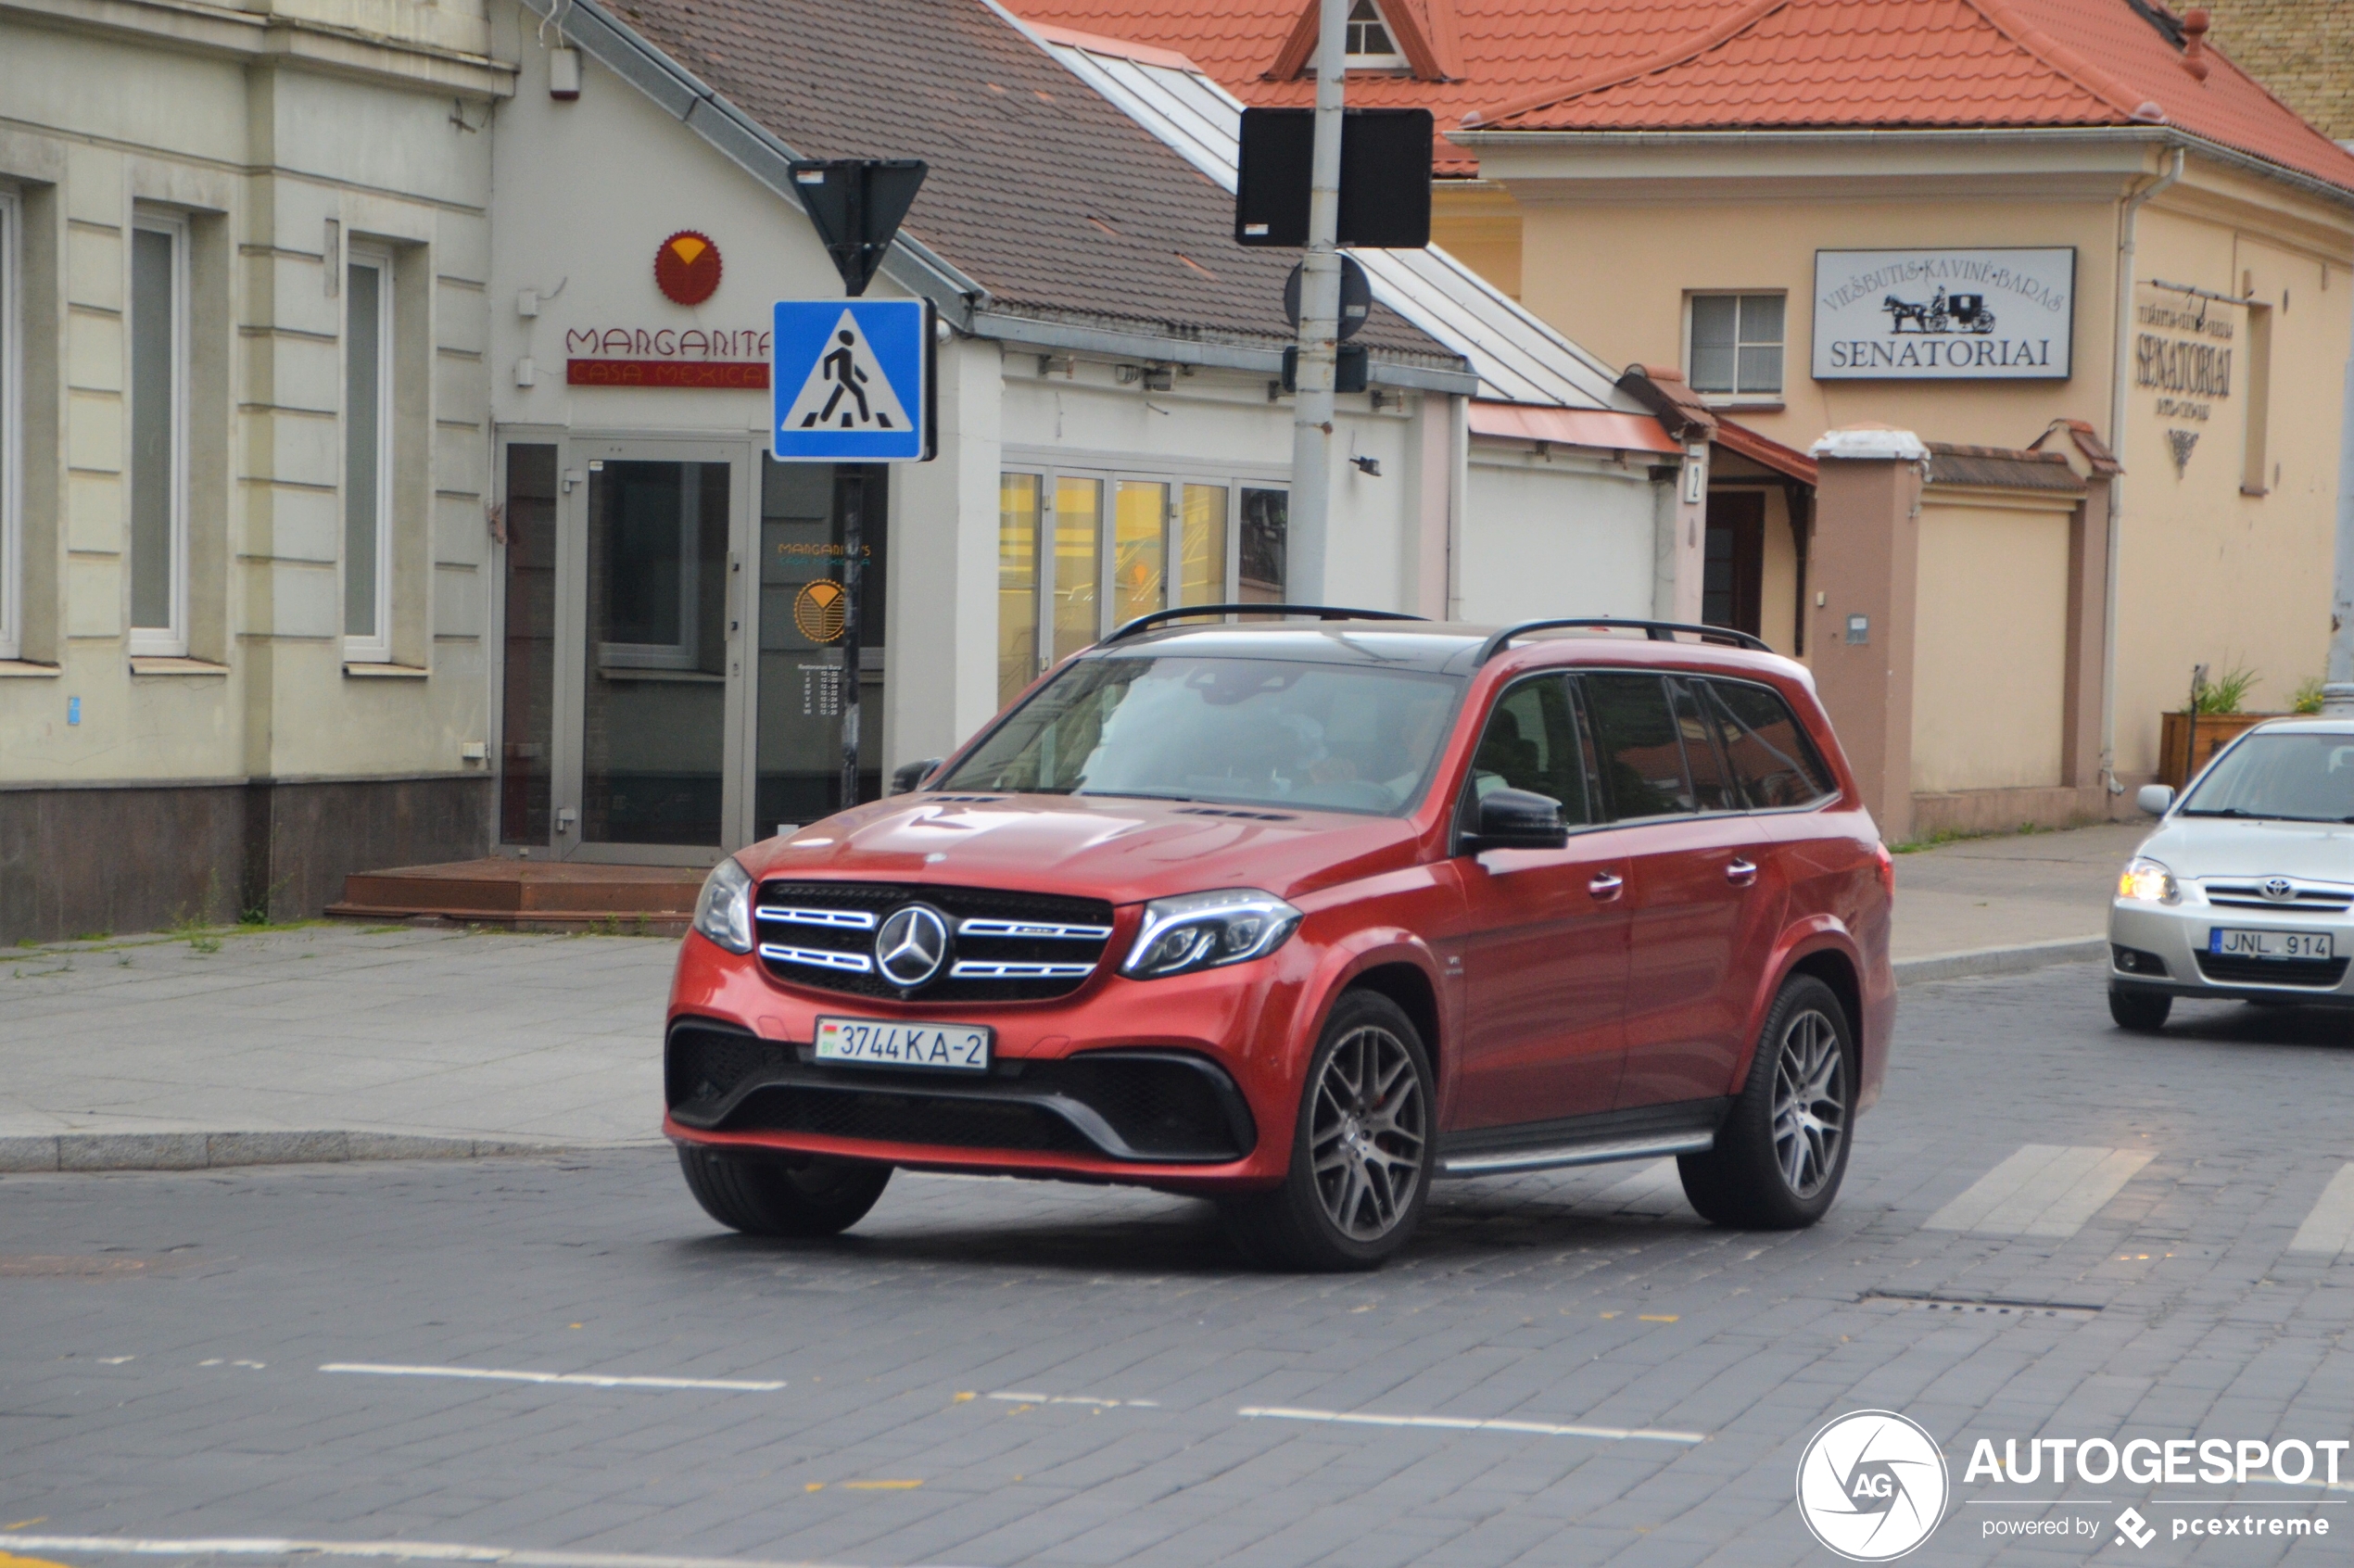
column 1865, row 572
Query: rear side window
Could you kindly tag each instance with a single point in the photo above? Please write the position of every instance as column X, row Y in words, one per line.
column 1531, row 743
column 1639, row 745
column 1713, row 786
column 1771, row 756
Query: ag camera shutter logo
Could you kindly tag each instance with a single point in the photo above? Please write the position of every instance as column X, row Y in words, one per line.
column 1872, row 1485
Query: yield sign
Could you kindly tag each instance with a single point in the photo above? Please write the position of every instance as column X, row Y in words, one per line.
column 851, row 381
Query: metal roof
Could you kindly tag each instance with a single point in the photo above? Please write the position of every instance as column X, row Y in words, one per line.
column 1516, row 356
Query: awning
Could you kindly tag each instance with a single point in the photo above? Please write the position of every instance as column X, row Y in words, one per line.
column 1601, row 428
column 1765, row 450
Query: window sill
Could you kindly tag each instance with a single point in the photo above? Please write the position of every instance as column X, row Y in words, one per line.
column 385, row 672
column 22, row 669
column 156, row 664
column 1736, row 403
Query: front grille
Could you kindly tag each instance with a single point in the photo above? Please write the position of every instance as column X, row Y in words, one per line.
column 705, row 1063
column 1167, row 1104
column 2318, row 973
column 881, row 1117
column 2307, row 897
column 1004, row 947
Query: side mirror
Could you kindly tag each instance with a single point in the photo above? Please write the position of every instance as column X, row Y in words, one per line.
column 908, row 778
column 1516, row 819
column 2154, row 798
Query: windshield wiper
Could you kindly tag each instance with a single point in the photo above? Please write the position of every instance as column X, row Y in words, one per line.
column 2219, row 811
column 2261, row 815
column 1138, row 795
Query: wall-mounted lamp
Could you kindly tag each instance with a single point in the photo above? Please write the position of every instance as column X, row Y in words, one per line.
column 1370, row 467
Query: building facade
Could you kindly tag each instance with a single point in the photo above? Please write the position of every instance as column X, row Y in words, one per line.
column 242, row 541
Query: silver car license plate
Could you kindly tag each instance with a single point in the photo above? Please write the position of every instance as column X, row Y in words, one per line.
column 875, row 1043
column 2228, row 943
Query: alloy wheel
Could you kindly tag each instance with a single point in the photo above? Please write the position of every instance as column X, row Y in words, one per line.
column 1810, row 1103
column 1367, row 1133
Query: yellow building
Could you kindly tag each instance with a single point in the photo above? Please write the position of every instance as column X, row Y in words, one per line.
column 1944, row 219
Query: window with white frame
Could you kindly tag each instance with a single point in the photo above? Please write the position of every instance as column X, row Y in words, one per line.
column 367, row 455
column 158, row 473
column 1369, row 44
column 1079, row 552
column 11, row 435
column 1736, row 345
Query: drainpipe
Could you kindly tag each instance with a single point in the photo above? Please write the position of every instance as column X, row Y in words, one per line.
column 2337, row 692
column 2131, row 210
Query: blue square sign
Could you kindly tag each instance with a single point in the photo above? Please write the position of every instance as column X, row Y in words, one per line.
column 851, row 381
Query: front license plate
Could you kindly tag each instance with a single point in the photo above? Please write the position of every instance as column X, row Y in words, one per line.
column 871, row 1043
column 2270, row 945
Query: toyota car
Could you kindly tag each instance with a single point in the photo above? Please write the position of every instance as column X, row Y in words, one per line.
column 2246, row 889
column 1301, row 916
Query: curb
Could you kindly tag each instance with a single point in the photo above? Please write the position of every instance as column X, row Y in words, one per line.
column 216, row 1151
column 2000, row 960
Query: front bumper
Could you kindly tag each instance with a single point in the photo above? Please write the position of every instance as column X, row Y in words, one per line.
column 2164, row 948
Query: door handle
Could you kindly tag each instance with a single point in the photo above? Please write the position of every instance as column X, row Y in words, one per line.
column 1741, row 873
column 1606, row 885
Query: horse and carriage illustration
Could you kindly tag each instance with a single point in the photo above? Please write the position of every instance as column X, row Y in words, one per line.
column 1944, row 313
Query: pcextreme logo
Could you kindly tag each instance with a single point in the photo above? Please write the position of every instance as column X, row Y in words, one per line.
column 1872, row 1485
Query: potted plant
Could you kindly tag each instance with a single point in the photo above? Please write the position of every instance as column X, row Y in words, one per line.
column 2210, row 721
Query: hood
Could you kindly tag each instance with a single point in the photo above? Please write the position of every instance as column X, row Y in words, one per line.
column 1093, row 846
column 2203, row 847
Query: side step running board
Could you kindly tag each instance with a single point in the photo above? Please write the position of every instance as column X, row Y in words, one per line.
column 1506, row 1161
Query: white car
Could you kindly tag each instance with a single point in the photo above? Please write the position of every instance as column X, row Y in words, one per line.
column 2246, row 890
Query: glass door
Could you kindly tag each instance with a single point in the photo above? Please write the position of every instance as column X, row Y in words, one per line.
column 650, row 674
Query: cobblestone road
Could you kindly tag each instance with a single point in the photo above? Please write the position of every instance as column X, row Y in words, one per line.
column 991, row 1373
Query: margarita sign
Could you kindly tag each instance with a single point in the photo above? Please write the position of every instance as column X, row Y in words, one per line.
column 1944, row 315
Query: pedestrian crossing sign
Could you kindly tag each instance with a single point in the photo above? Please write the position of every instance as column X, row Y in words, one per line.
column 851, row 381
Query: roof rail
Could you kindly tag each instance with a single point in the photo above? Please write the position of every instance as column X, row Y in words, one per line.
column 1658, row 631
column 1323, row 612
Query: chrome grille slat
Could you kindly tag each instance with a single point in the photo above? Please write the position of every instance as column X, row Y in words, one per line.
column 839, row 919
column 817, row 957
column 2304, row 897
column 987, row 968
column 1033, row 930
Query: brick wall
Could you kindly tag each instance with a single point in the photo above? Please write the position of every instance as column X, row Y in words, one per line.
column 2303, row 50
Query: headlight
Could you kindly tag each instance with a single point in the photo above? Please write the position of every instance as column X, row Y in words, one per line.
column 723, row 913
column 2145, row 881
column 1202, row 930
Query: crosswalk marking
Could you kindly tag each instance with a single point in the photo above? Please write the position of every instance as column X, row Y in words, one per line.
column 2330, row 1227
column 2043, row 1190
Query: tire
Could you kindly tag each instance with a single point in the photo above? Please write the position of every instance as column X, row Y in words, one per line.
column 1783, row 1152
column 2144, row 1012
column 768, row 1197
column 1363, row 1152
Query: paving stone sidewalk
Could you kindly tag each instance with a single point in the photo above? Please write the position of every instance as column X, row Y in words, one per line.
column 331, row 1043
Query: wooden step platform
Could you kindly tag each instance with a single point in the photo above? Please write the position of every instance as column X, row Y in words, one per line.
column 530, row 895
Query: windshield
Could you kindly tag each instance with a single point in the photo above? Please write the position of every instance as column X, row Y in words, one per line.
column 1251, row 731
column 2293, row 777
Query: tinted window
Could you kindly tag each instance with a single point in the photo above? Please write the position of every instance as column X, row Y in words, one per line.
column 1770, row 754
column 1712, row 784
column 1531, row 743
column 1637, row 742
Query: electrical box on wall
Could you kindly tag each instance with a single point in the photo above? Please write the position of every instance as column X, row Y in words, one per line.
column 563, row 74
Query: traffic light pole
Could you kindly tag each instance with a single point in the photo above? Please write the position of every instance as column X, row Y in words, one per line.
column 1311, row 444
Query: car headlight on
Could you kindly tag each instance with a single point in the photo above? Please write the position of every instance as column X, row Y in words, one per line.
column 2145, row 881
column 1202, row 930
column 723, row 911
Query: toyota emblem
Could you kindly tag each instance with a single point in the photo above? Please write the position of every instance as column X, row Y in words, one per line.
column 2279, row 889
column 912, row 945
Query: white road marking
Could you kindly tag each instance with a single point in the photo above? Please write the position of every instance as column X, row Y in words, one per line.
column 587, row 1380
column 1465, row 1423
column 2043, row 1190
column 426, row 1551
column 2330, row 1227
column 1076, row 1399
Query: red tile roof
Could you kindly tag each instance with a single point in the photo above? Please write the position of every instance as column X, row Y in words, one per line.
column 1626, row 65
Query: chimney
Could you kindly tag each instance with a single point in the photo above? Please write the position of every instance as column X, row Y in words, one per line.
column 2195, row 24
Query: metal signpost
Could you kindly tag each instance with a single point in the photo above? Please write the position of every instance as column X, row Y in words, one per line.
column 1311, row 426
column 852, row 381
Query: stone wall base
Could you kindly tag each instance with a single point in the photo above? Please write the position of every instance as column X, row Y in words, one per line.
column 2001, row 811
column 121, row 857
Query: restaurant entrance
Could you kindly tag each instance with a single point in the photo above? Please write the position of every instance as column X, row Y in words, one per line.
column 673, row 680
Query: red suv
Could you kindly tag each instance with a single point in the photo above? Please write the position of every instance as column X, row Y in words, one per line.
column 1300, row 916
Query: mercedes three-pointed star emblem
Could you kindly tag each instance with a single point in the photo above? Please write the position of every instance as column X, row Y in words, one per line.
column 912, row 945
